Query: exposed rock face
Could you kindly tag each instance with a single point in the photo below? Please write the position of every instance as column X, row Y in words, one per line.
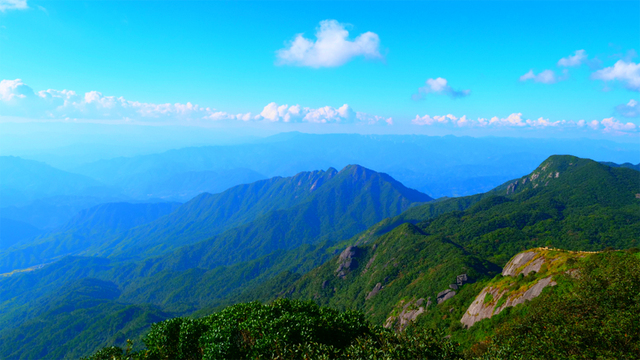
column 347, row 261
column 375, row 290
column 445, row 295
column 462, row 279
column 506, row 292
column 515, row 266
column 409, row 313
column 366, row 268
column 479, row 310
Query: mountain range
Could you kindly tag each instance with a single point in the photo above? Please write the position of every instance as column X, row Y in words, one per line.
column 353, row 239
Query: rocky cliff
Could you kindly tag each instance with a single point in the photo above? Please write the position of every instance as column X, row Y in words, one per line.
column 523, row 278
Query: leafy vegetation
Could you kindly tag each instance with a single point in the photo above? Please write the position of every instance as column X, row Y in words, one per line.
column 284, row 329
column 593, row 312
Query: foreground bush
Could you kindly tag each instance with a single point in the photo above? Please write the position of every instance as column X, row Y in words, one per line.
column 286, row 329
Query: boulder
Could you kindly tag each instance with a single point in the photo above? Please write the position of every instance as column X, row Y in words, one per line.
column 445, row 295
column 462, row 279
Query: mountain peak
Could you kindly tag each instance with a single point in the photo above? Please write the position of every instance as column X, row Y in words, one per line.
column 358, row 172
column 567, row 177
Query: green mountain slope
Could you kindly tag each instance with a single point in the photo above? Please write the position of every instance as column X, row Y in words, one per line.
column 567, row 202
column 591, row 315
column 210, row 214
column 394, row 272
column 14, row 231
column 307, row 208
column 405, row 264
column 84, row 306
column 89, row 228
column 624, row 165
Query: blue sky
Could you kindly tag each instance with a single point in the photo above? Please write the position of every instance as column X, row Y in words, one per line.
column 401, row 67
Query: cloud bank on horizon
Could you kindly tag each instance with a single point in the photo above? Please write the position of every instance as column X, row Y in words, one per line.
column 609, row 125
column 19, row 99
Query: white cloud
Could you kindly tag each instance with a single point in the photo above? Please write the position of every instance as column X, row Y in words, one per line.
column 577, row 59
column 626, row 72
column 330, row 49
column 430, row 120
column 13, row 5
column 18, row 99
column 11, row 90
column 545, row 77
column 630, row 109
column 594, row 124
column 323, row 115
column 613, row 125
column 515, row 120
column 439, row 86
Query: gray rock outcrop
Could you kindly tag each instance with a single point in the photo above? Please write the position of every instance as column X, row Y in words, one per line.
column 478, row 310
column 409, row 313
column 513, row 266
column 445, row 295
column 462, row 279
column 376, row 289
column 347, row 261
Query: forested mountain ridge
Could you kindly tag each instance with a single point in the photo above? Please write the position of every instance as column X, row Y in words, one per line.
column 582, row 205
column 392, row 265
column 209, row 214
column 589, row 309
column 306, row 208
column 436, row 165
column 88, row 228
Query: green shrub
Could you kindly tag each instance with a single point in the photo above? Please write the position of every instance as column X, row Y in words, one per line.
column 285, row 329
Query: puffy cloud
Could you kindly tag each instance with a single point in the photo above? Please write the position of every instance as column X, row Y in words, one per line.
column 626, row 72
column 11, row 90
column 439, row 86
column 430, row 120
column 577, row 59
column 613, row 125
column 330, row 49
column 545, row 77
column 515, row 120
column 630, row 109
column 244, row 117
column 13, row 5
column 18, row 99
column 594, row 124
column 323, row 115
